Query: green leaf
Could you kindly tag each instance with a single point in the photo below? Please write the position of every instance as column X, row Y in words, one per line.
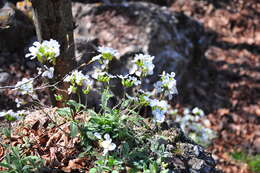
column 73, row 129
column 92, row 112
column 106, row 95
column 239, row 156
column 6, row 132
column 107, row 56
column 66, row 112
column 75, row 105
column 125, row 149
column 16, row 152
column 58, row 97
column 114, row 171
column 5, row 165
column 27, row 168
column 93, row 170
column 254, row 165
column 10, row 118
column 153, row 167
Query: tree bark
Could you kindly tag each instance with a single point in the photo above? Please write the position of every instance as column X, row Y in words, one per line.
column 53, row 20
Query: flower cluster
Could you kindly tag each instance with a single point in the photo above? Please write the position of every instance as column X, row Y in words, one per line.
column 25, row 86
column 159, row 109
column 193, row 123
column 11, row 115
column 106, row 55
column 77, row 78
column 102, row 76
column 107, row 144
column 45, row 51
column 142, row 65
column 129, row 81
column 49, row 72
column 197, row 111
column 166, row 85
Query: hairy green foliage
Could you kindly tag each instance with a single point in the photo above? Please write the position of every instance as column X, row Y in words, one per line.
column 17, row 162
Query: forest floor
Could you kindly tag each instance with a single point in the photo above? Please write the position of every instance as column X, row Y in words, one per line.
column 226, row 85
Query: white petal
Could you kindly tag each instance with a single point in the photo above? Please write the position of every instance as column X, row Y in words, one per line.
column 107, row 137
column 112, row 146
column 97, row 135
column 105, row 152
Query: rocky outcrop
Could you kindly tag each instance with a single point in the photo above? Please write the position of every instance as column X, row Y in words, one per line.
column 186, row 156
column 16, row 29
column 174, row 39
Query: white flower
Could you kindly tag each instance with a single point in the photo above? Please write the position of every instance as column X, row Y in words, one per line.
column 25, row 86
column 16, row 115
column 95, row 58
column 110, row 75
column 46, row 49
column 21, row 113
column 77, row 77
column 143, row 64
column 159, row 115
column 39, row 70
column 19, row 102
column 157, row 103
column 107, row 144
column 87, row 82
column 167, row 84
column 129, row 81
column 135, row 70
column 147, row 99
column 49, row 72
column 52, row 46
column 97, row 73
column 11, row 113
column 197, row 111
column 135, row 99
column 102, row 76
column 34, row 50
column 159, row 109
column 107, row 50
column 106, row 55
column 134, row 80
column 195, row 127
column 68, row 78
column 2, row 114
column 123, row 77
column 186, row 111
column 72, row 89
column 97, row 135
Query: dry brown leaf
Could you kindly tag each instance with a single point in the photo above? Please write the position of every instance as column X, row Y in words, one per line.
column 77, row 163
column 2, row 152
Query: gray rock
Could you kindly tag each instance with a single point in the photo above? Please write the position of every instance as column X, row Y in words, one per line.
column 196, row 164
column 4, row 77
column 174, row 39
column 189, row 149
column 16, row 29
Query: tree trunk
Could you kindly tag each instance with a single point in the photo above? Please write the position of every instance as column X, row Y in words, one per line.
column 53, row 20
